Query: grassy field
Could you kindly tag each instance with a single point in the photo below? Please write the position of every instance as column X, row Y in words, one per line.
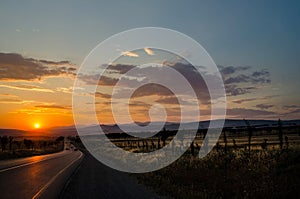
column 249, row 164
column 268, row 170
column 265, row 173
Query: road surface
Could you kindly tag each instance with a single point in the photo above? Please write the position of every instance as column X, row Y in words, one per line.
column 95, row 180
column 38, row 176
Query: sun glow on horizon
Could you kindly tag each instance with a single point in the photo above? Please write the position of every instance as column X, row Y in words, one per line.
column 37, row 125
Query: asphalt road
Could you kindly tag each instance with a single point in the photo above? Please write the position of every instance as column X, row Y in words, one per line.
column 93, row 179
column 39, row 176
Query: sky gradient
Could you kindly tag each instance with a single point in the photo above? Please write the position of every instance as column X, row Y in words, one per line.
column 255, row 44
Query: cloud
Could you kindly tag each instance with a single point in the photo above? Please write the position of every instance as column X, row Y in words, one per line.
column 10, row 100
column 94, row 80
column 118, row 68
column 240, row 101
column 102, row 95
column 248, row 113
column 16, row 67
column 232, row 69
column 239, row 80
column 139, row 104
column 264, row 106
column 256, row 77
column 129, row 54
column 27, row 88
column 18, row 30
column 52, row 107
column 15, row 101
column 152, row 89
column 168, row 100
column 297, row 111
column 7, row 95
column 234, row 90
column 148, row 51
column 291, row 106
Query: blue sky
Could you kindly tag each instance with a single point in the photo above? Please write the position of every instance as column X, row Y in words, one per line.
column 261, row 34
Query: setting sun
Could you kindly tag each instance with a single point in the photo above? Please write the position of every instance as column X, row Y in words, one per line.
column 37, row 125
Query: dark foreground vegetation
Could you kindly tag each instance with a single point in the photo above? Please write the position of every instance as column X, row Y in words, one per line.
column 12, row 147
column 265, row 174
column 265, row 167
column 249, row 162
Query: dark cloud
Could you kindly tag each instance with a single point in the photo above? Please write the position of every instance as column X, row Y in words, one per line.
column 244, row 100
column 238, row 80
column 139, row 104
column 232, row 69
column 296, row 111
column 119, row 68
column 262, row 73
column 168, row 100
column 172, row 100
column 52, row 107
column 243, row 74
column 248, row 113
column 240, row 101
column 291, row 106
column 234, row 90
column 94, row 80
column 16, row 67
column 102, row 95
column 152, row 89
column 264, row 106
column 255, row 78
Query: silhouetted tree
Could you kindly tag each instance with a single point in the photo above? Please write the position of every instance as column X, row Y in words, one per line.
column 10, row 141
column 264, row 144
column 218, row 146
column 60, row 138
column 158, row 143
column 280, row 134
column 225, row 141
column 164, row 136
column 192, row 148
column 286, row 142
column 4, row 142
column 28, row 144
column 249, row 128
column 234, row 143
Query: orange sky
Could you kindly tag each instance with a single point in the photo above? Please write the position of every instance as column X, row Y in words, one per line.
column 40, row 91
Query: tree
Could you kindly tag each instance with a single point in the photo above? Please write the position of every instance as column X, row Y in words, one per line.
column 225, row 141
column 280, row 134
column 10, row 138
column 249, row 135
column 28, row 144
column 4, row 142
column 60, row 138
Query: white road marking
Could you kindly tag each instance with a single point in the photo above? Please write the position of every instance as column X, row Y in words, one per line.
column 54, row 178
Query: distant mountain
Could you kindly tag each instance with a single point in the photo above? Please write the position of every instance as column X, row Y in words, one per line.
column 89, row 130
column 229, row 123
column 13, row 132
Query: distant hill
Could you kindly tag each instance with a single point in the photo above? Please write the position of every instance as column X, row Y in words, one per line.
column 88, row 130
column 13, row 132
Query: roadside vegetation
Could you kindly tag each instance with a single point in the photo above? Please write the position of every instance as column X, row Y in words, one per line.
column 251, row 162
column 16, row 147
column 251, row 169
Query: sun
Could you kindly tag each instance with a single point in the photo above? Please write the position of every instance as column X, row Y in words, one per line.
column 37, row 125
